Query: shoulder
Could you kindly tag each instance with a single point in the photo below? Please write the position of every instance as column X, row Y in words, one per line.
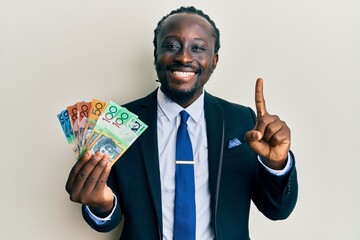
column 229, row 107
column 141, row 103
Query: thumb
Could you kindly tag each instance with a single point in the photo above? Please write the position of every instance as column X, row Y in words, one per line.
column 253, row 137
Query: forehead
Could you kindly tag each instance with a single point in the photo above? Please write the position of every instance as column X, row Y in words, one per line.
column 186, row 23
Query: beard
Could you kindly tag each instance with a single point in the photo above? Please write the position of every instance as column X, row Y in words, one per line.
column 176, row 95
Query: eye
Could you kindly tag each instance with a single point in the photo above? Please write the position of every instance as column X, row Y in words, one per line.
column 198, row 48
column 171, row 46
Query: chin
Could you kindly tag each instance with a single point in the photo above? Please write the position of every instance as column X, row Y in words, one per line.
column 179, row 96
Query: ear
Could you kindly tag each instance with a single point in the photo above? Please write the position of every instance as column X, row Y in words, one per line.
column 215, row 61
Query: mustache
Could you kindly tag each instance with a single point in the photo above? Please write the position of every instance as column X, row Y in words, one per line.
column 170, row 67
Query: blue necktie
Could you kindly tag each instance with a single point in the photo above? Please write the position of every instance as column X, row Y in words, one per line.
column 185, row 213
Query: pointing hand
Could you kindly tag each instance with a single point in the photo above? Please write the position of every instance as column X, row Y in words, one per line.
column 270, row 137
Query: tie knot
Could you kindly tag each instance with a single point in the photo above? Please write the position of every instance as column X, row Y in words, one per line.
column 184, row 116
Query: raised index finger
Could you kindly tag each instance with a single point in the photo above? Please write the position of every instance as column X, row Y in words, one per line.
column 259, row 98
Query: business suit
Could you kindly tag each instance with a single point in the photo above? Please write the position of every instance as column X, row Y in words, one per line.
column 135, row 178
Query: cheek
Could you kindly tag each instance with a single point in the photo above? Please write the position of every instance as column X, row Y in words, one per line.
column 165, row 58
column 161, row 63
column 206, row 62
column 206, row 66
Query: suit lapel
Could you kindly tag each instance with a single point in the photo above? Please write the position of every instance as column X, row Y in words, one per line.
column 214, row 115
column 149, row 148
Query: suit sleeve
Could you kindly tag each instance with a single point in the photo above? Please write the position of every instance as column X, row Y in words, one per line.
column 276, row 196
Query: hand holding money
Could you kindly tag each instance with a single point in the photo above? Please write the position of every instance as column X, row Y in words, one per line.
column 86, row 183
column 98, row 133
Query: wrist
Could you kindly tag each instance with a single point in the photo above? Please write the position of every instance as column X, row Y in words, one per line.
column 103, row 211
column 275, row 165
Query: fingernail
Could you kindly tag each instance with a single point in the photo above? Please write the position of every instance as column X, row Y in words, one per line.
column 98, row 156
column 87, row 153
column 257, row 135
column 105, row 157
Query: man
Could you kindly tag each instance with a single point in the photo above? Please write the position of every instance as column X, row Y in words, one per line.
column 239, row 156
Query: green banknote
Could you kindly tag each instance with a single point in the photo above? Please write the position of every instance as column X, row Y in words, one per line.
column 118, row 136
column 106, row 118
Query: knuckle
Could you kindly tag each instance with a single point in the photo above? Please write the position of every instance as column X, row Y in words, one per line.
column 271, row 131
column 74, row 198
column 81, row 175
column 276, row 139
column 285, row 126
column 262, row 121
column 92, row 179
column 102, row 180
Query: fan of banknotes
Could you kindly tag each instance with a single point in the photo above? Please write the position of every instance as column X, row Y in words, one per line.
column 100, row 126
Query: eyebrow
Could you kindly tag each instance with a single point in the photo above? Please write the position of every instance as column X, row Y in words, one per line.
column 200, row 39
column 172, row 36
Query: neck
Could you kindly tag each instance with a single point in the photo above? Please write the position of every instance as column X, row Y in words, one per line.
column 184, row 99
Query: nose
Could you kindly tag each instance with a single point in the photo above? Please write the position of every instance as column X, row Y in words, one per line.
column 183, row 56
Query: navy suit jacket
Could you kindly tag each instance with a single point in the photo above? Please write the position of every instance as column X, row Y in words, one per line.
column 235, row 176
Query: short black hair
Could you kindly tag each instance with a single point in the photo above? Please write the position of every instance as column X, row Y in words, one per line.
column 191, row 10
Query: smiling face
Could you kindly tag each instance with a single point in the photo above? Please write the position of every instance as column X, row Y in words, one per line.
column 185, row 57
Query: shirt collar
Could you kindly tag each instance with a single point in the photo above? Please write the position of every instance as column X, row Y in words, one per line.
column 171, row 109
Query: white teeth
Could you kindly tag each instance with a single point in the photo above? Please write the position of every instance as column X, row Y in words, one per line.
column 183, row 74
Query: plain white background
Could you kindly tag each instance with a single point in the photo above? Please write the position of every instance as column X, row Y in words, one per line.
column 54, row 53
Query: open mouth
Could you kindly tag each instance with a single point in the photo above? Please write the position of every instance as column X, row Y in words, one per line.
column 183, row 74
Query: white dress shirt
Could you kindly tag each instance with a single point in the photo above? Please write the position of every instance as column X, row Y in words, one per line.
column 168, row 123
column 168, row 120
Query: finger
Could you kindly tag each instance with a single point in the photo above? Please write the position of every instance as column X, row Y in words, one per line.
column 83, row 175
column 263, row 122
column 76, row 169
column 272, row 129
column 254, row 139
column 103, row 195
column 282, row 137
column 101, row 183
column 253, row 136
column 259, row 98
column 96, row 174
